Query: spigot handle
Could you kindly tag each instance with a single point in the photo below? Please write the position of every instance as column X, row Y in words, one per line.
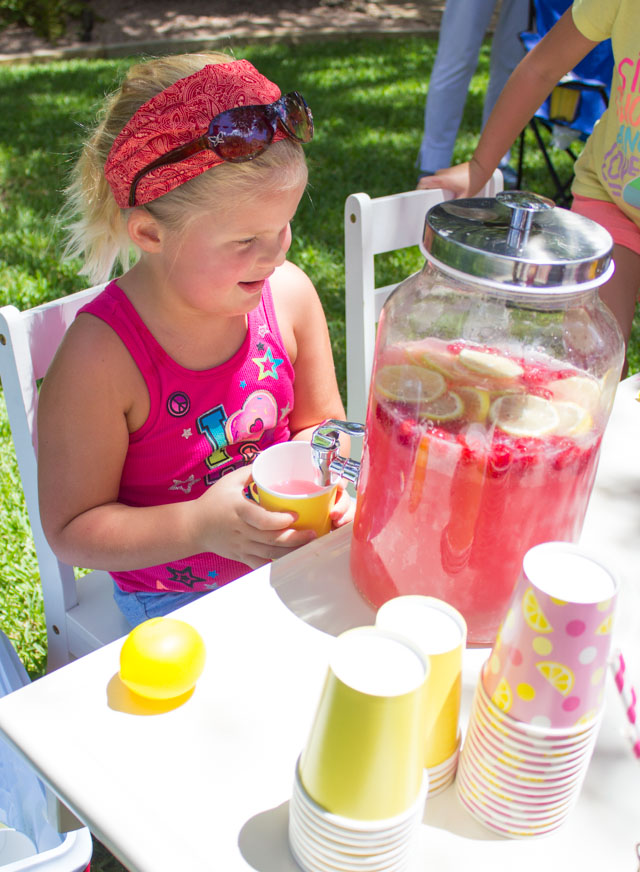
column 325, row 444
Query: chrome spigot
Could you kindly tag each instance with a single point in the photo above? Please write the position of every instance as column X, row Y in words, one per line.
column 325, row 443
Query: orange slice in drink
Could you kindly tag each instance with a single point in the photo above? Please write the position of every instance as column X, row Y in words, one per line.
column 524, row 415
column 557, row 674
column 533, row 614
column 414, row 385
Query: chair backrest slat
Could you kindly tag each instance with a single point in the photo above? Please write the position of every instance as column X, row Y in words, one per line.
column 372, row 227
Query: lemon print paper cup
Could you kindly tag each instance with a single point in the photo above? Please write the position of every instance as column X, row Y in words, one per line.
column 365, row 755
column 284, row 481
column 549, row 661
column 441, row 631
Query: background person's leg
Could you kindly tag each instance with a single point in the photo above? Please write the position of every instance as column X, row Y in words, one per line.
column 506, row 49
column 506, row 53
column 464, row 24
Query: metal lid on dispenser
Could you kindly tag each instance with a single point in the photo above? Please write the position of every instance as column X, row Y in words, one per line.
column 518, row 241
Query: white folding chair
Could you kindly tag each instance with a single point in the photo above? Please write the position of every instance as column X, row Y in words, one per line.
column 81, row 615
column 374, row 227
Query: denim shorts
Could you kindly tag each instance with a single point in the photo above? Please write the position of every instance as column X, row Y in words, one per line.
column 142, row 605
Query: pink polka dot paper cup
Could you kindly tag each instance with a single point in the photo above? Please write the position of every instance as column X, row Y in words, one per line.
column 548, row 664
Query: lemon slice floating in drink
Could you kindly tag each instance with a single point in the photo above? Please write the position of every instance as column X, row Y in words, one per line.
column 524, row 415
column 494, row 365
column 448, row 407
column 573, row 420
column 410, row 384
column 476, row 402
column 578, row 389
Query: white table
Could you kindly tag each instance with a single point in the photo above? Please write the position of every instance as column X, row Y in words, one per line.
column 205, row 786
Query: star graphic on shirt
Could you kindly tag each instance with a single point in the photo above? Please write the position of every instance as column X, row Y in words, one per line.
column 263, row 330
column 260, row 346
column 186, row 433
column 243, row 384
column 183, row 576
column 184, row 486
column 262, row 361
column 285, row 411
column 214, row 584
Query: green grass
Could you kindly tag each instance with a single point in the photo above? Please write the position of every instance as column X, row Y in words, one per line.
column 367, row 95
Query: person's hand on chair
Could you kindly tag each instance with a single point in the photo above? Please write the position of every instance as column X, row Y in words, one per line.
column 464, row 180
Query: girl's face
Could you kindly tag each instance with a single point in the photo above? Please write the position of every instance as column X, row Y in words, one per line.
column 219, row 264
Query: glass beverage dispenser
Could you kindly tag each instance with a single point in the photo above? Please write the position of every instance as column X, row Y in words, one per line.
column 494, row 375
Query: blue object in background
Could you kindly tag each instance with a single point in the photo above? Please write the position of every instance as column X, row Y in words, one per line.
column 23, row 801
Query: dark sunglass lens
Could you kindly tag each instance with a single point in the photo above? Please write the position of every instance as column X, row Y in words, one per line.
column 239, row 135
column 297, row 117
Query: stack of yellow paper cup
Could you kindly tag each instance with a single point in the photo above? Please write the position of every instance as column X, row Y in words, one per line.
column 538, row 703
column 360, row 784
column 441, row 632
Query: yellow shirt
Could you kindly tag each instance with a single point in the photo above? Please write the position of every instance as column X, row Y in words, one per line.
column 609, row 166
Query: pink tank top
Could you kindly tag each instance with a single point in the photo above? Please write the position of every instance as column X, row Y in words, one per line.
column 201, row 425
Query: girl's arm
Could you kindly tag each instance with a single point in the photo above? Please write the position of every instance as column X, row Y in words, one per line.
column 91, row 398
column 527, row 88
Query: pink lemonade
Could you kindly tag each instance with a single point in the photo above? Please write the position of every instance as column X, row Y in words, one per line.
column 471, row 457
column 296, row 487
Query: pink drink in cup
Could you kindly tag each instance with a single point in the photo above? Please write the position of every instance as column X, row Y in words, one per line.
column 457, row 486
column 296, row 487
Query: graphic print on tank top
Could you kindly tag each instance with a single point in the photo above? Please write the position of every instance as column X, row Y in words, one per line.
column 201, row 426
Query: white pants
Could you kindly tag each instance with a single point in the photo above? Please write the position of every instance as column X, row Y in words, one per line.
column 464, row 25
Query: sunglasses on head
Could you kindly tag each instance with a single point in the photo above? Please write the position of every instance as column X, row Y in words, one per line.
column 241, row 133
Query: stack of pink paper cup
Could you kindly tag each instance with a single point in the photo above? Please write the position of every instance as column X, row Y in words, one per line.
column 360, row 784
column 538, row 703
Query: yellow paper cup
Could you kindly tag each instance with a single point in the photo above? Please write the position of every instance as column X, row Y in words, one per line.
column 365, row 755
column 284, row 481
column 441, row 632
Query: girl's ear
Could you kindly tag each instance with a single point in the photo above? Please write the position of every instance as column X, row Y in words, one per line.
column 144, row 231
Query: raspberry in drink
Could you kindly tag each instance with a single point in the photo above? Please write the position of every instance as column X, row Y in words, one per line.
column 471, row 457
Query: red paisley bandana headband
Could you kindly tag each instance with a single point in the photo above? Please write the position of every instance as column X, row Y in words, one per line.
column 176, row 116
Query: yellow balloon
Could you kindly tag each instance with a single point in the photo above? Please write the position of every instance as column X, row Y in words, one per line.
column 162, row 658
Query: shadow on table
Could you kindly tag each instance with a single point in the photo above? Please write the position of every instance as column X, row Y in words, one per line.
column 315, row 584
column 121, row 699
column 264, row 841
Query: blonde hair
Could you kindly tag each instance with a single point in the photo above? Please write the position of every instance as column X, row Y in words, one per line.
column 97, row 226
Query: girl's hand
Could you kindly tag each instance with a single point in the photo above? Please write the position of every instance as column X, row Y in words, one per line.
column 343, row 509
column 236, row 527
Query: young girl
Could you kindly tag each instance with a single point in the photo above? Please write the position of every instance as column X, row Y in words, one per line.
column 211, row 347
column 606, row 187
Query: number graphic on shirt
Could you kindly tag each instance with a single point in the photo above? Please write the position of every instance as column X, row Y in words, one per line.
column 211, row 424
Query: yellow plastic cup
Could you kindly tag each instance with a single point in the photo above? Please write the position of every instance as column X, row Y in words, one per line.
column 364, row 759
column 286, row 467
column 441, row 632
